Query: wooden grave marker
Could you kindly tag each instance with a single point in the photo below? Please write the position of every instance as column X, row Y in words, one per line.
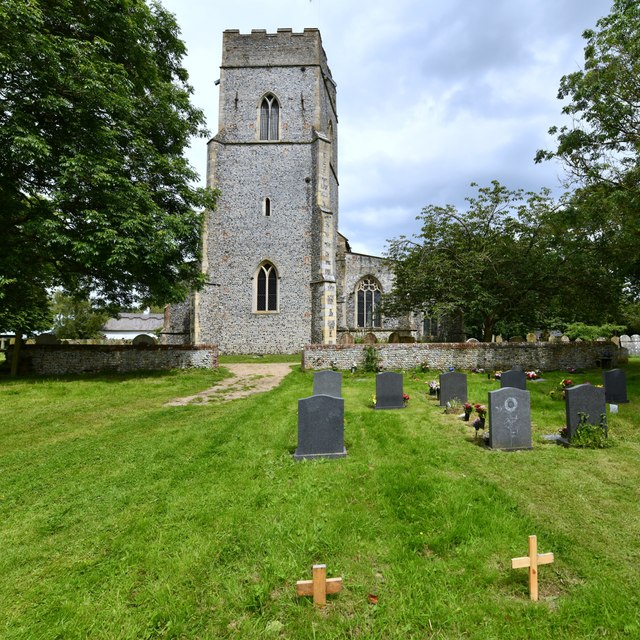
column 320, row 586
column 532, row 561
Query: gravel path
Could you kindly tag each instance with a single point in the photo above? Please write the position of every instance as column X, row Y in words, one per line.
column 247, row 379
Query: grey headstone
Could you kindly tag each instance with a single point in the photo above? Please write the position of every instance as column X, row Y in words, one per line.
column 327, row 383
column 347, row 338
column 513, row 378
column 143, row 340
column 509, row 419
column 615, row 386
column 453, row 385
column 320, row 428
column 583, row 398
column 389, row 391
column 370, row 338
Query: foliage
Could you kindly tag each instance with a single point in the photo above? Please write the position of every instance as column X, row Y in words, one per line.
column 502, row 260
column 371, row 361
column 95, row 193
column 599, row 148
column 631, row 317
column 592, row 332
column 591, row 436
column 76, row 319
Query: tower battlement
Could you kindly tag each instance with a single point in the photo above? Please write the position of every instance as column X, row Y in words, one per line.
column 281, row 49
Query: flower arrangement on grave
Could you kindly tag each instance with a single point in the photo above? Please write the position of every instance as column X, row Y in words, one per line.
column 479, row 422
column 559, row 393
column 373, row 400
column 468, row 409
column 532, row 375
column 497, row 375
column 434, row 387
column 406, row 398
column 477, row 370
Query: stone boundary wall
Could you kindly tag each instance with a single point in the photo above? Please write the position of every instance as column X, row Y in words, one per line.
column 89, row 358
column 631, row 343
column 478, row 355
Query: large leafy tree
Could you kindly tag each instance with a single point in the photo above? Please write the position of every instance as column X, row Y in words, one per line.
column 600, row 148
column 502, row 261
column 95, row 192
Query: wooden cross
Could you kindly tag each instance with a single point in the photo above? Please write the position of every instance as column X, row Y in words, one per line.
column 319, row 587
column 532, row 561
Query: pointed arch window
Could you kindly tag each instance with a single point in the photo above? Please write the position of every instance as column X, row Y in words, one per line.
column 368, row 298
column 267, row 288
column 269, row 118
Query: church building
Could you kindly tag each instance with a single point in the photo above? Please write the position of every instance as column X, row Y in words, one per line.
column 279, row 275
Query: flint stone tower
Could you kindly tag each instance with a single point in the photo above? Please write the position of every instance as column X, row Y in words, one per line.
column 278, row 274
column 269, row 247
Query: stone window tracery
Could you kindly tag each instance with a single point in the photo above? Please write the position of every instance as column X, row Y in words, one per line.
column 267, row 288
column 368, row 298
column 269, row 118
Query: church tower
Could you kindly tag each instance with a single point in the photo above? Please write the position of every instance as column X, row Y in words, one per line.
column 269, row 248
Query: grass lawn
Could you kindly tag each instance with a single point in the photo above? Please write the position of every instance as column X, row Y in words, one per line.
column 123, row 518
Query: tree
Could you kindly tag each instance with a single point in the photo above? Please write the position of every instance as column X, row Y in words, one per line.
column 503, row 260
column 76, row 319
column 95, row 194
column 600, row 149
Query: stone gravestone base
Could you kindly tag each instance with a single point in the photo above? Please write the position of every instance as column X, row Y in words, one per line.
column 320, row 428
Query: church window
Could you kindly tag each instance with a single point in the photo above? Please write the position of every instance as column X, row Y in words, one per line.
column 368, row 298
column 269, row 118
column 267, row 207
column 267, row 288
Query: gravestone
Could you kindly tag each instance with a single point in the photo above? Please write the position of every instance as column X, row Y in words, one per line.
column 565, row 339
column 347, row 338
column 499, row 339
column 517, row 339
column 370, row 338
column 473, row 340
column 327, row 383
column 320, row 428
column 143, row 340
column 389, row 391
column 583, row 398
column 509, row 419
column 453, row 385
column 407, row 340
column 616, row 341
column 531, row 337
column 514, row 378
column 615, row 386
column 394, row 338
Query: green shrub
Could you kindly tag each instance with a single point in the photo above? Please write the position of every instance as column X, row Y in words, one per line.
column 591, row 436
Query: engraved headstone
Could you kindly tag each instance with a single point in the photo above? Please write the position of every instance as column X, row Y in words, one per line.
column 320, row 428
column 327, row 383
column 143, row 340
column 514, row 378
column 347, row 338
column 509, row 419
column 370, row 338
column 583, row 398
column 615, row 386
column 389, row 391
column 453, row 385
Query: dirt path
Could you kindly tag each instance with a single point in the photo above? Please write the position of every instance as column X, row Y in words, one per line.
column 247, row 379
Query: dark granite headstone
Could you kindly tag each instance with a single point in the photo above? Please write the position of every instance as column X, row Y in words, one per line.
column 389, row 391
column 327, row 383
column 583, row 398
column 615, row 386
column 509, row 419
column 453, row 385
column 514, row 378
column 320, row 428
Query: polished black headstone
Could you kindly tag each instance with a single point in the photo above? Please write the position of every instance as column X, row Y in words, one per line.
column 327, row 383
column 615, row 386
column 320, row 428
column 583, row 398
column 453, row 386
column 389, row 391
column 514, row 378
column 509, row 419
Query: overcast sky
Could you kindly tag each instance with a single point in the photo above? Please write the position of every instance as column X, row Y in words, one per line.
column 432, row 95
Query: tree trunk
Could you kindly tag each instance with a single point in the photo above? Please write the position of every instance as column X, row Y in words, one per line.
column 15, row 359
column 488, row 325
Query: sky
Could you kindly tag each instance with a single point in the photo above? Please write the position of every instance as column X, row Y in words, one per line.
column 432, row 95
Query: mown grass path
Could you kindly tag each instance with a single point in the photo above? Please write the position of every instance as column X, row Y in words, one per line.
column 121, row 517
